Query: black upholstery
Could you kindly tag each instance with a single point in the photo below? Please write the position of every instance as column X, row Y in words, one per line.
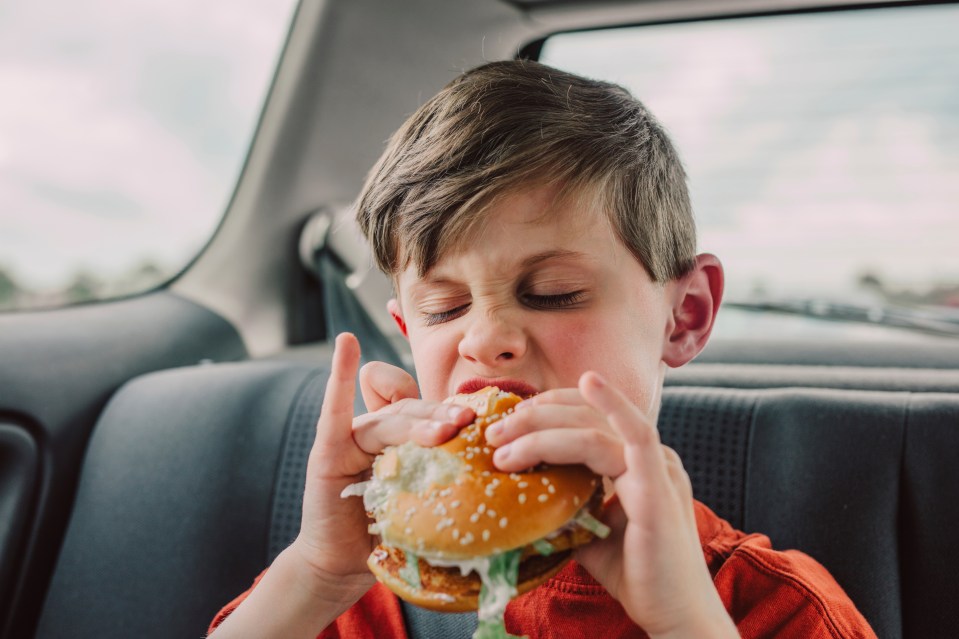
column 172, row 513
column 193, row 480
column 819, row 472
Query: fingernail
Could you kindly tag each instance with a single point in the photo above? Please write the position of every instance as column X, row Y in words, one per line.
column 502, row 453
column 435, row 425
column 455, row 412
column 495, row 429
column 526, row 403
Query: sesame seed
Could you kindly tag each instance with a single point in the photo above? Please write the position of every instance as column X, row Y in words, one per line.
column 474, row 517
column 503, row 522
column 545, row 481
column 543, row 497
column 491, row 513
column 408, row 531
column 481, row 508
column 456, row 533
column 467, row 539
column 485, row 535
column 455, row 503
column 552, row 489
column 576, row 500
column 522, row 484
column 522, row 498
column 514, row 476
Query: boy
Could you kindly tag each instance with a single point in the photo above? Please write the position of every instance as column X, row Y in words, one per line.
column 538, row 231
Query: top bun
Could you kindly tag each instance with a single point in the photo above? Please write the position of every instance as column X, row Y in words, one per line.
column 451, row 502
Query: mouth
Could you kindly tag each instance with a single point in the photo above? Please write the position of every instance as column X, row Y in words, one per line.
column 515, row 386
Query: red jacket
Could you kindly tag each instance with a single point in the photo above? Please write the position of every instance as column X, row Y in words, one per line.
column 768, row 593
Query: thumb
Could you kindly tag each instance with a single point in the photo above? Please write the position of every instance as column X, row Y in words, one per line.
column 383, row 384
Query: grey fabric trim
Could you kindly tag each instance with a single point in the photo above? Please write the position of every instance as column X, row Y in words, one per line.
column 291, row 471
column 426, row 624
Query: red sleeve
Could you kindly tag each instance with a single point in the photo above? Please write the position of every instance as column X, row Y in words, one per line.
column 376, row 615
column 771, row 593
column 230, row 607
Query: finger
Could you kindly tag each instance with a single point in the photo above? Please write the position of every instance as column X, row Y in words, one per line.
column 643, row 448
column 677, row 472
column 601, row 554
column 426, row 423
column 421, row 409
column 336, row 415
column 382, row 384
column 600, row 451
column 545, row 417
column 563, row 396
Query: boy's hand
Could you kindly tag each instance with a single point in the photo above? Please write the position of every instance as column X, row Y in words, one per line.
column 392, row 399
column 653, row 562
column 333, row 542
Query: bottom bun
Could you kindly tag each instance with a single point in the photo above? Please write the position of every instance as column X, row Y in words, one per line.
column 446, row 589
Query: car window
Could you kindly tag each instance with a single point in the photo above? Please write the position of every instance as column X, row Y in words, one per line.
column 822, row 152
column 123, row 129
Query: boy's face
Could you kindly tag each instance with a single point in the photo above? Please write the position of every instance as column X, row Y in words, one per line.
column 543, row 293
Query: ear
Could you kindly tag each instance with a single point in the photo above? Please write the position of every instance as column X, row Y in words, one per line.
column 397, row 314
column 695, row 303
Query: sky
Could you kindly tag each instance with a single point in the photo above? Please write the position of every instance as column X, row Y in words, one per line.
column 818, row 147
column 124, row 126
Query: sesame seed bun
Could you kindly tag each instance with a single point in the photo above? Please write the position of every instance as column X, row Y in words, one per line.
column 473, row 510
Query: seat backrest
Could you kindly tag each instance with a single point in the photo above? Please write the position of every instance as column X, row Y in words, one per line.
column 193, row 482
column 173, row 513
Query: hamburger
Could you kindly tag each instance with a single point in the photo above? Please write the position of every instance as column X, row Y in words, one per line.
column 457, row 534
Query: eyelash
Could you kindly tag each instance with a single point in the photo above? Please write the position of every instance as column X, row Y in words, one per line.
column 432, row 319
column 551, row 302
column 539, row 302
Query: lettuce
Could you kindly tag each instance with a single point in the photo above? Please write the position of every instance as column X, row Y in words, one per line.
column 499, row 586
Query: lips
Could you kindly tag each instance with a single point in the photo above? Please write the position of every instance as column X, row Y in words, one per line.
column 516, row 386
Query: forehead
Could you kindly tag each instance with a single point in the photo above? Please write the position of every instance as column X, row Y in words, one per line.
column 540, row 215
column 521, row 227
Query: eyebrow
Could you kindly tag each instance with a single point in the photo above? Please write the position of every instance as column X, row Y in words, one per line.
column 533, row 260
column 430, row 278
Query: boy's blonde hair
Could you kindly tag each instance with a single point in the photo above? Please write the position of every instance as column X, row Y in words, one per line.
column 508, row 126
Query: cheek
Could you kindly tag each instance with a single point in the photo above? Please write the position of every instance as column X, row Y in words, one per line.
column 433, row 357
column 578, row 343
column 625, row 352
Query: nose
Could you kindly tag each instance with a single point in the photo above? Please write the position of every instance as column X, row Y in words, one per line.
column 492, row 340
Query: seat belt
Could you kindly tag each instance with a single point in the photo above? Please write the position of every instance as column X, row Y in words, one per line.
column 342, row 309
column 344, row 312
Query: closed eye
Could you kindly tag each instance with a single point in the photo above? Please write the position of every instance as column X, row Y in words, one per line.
column 552, row 302
column 432, row 319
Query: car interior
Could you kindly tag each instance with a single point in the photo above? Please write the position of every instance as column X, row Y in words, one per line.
column 153, row 447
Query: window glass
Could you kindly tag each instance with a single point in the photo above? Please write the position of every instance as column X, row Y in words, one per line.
column 822, row 150
column 123, row 128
